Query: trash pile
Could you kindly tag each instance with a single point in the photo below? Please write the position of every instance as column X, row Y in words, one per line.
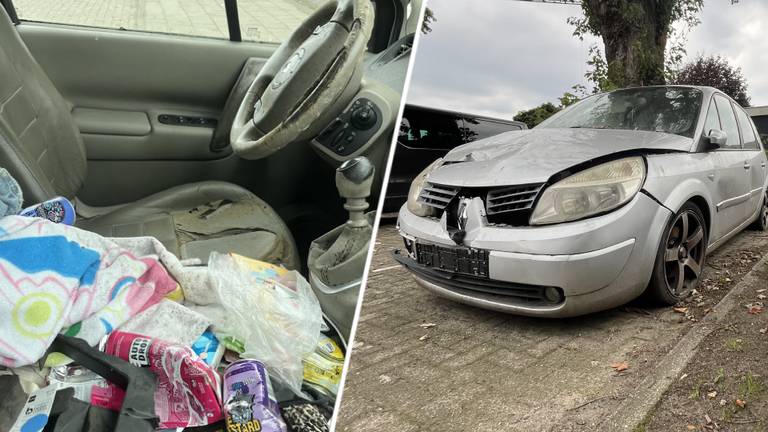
column 119, row 334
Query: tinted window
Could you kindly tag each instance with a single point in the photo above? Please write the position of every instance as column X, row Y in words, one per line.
column 747, row 133
column 728, row 122
column 658, row 109
column 475, row 129
column 425, row 129
column 713, row 121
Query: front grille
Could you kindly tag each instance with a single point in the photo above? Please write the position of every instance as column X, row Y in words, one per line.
column 438, row 196
column 511, row 198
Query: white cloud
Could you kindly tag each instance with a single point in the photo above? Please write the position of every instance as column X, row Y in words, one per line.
column 497, row 57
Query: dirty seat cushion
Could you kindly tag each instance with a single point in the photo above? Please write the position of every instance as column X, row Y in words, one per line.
column 196, row 219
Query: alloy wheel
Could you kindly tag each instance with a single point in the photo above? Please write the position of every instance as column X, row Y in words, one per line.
column 684, row 253
column 764, row 213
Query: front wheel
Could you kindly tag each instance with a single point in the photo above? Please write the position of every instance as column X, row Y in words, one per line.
column 761, row 223
column 681, row 255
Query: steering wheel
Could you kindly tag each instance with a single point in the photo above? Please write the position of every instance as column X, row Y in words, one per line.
column 302, row 79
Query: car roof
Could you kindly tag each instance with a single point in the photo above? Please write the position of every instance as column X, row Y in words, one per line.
column 706, row 90
column 462, row 114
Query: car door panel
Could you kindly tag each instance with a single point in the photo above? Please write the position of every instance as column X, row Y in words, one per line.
column 119, row 78
column 731, row 191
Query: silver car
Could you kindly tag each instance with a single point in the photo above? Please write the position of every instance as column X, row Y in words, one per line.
column 622, row 193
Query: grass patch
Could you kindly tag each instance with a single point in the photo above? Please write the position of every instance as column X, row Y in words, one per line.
column 750, row 386
column 719, row 377
column 734, row 344
column 695, row 393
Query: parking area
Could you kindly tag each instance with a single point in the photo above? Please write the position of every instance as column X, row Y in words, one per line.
column 260, row 20
column 428, row 364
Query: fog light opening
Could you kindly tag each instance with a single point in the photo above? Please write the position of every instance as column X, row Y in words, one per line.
column 553, row 294
column 409, row 247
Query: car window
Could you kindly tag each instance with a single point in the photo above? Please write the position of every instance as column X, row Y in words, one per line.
column 260, row 20
column 728, row 122
column 747, row 133
column 475, row 129
column 713, row 121
column 430, row 130
column 673, row 110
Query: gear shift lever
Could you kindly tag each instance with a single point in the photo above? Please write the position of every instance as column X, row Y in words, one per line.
column 337, row 259
column 353, row 180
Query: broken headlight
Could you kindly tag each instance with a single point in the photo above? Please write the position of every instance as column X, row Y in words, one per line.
column 414, row 205
column 593, row 191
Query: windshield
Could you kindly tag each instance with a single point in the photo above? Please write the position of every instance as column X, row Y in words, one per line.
column 657, row 109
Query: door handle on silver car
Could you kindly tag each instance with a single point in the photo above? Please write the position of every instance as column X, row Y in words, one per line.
column 747, row 165
column 762, row 164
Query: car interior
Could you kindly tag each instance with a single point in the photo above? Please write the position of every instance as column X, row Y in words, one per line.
column 137, row 127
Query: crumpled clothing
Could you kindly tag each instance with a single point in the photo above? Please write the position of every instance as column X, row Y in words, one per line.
column 54, row 276
column 168, row 321
column 11, row 198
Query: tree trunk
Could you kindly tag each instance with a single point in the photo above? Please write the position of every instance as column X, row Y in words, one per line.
column 634, row 33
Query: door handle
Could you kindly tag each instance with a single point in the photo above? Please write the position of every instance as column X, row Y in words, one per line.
column 762, row 164
column 747, row 165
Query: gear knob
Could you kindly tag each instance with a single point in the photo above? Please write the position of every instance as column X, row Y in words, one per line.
column 353, row 180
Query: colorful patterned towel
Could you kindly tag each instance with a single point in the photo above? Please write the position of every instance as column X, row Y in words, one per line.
column 54, row 276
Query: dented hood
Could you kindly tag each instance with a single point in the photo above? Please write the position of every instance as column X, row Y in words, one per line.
column 533, row 156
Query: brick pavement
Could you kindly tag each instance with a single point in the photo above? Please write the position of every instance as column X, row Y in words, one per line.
column 262, row 20
column 484, row 371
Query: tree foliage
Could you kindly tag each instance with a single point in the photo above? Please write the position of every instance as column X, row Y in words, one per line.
column 635, row 35
column 534, row 116
column 429, row 18
column 715, row 72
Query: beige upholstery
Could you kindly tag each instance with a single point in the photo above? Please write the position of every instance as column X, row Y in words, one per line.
column 42, row 148
column 44, row 151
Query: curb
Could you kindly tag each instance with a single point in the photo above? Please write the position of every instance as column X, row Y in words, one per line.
column 636, row 407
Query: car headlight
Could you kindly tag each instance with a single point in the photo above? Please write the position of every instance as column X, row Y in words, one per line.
column 593, row 191
column 414, row 206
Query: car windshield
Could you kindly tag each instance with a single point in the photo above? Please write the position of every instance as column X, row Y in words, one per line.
column 657, row 109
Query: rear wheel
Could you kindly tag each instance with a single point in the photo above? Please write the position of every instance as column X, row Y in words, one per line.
column 681, row 255
column 761, row 224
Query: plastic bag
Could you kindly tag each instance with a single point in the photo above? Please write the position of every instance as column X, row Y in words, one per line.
column 271, row 311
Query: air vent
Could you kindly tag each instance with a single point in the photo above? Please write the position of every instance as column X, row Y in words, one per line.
column 511, row 199
column 438, row 196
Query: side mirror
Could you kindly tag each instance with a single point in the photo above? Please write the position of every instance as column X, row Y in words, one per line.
column 715, row 139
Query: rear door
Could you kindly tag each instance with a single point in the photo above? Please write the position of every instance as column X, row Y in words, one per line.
column 730, row 176
column 756, row 160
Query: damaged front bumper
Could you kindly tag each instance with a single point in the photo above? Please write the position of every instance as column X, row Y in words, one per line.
column 555, row 271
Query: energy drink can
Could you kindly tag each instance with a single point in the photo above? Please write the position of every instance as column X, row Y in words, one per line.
column 248, row 401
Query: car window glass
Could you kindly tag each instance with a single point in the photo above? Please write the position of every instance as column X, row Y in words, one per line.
column 728, row 122
column 713, row 121
column 431, row 130
column 747, row 133
column 673, row 110
column 475, row 129
column 260, row 20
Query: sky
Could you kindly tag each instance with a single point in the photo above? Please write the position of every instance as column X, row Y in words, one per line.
column 498, row 57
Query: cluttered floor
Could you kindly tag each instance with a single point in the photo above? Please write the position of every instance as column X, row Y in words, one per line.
column 118, row 334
